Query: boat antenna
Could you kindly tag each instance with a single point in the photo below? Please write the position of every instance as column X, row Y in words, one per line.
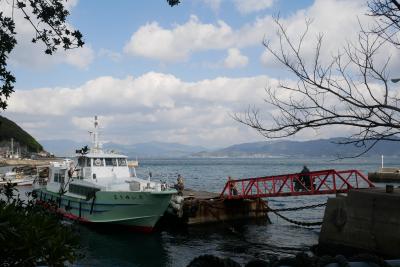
column 95, row 133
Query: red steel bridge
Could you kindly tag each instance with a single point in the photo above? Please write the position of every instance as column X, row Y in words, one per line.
column 296, row 184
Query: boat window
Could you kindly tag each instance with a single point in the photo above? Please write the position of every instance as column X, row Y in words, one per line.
column 82, row 162
column 121, row 162
column 114, row 162
column 109, row 162
column 98, row 162
column 56, row 177
column 59, row 177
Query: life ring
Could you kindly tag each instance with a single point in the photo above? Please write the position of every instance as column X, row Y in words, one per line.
column 97, row 162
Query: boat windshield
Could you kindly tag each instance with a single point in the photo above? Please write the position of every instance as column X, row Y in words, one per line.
column 111, row 161
column 59, row 177
column 83, row 162
column 121, row 162
column 107, row 162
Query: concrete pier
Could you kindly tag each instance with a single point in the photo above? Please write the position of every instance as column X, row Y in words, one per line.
column 385, row 175
column 367, row 220
column 200, row 207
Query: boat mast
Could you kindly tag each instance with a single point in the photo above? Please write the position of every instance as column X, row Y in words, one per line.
column 96, row 144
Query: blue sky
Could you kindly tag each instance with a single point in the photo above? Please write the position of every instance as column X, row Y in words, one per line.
column 109, row 26
column 159, row 73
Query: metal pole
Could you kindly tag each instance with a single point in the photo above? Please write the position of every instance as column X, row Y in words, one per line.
column 12, row 147
column 382, row 160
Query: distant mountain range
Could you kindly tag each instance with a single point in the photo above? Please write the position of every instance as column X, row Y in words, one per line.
column 313, row 148
column 155, row 149
column 281, row 148
column 141, row 150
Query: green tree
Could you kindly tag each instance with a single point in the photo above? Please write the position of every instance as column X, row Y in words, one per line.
column 48, row 19
column 32, row 235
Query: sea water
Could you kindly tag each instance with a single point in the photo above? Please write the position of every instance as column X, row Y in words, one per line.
column 243, row 242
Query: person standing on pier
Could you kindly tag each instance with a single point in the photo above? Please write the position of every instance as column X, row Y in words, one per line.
column 305, row 177
column 233, row 187
column 179, row 186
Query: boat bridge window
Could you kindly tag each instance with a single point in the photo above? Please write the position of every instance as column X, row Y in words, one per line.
column 83, row 162
column 97, row 162
column 111, row 161
column 59, row 177
column 121, row 162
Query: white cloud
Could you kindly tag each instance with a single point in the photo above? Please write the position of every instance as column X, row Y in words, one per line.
column 153, row 41
column 153, row 106
column 114, row 56
column 337, row 20
column 235, row 59
column 30, row 55
column 79, row 57
column 249, row 6
column 178, row 42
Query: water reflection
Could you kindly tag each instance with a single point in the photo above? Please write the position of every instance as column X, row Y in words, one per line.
column 116, row 247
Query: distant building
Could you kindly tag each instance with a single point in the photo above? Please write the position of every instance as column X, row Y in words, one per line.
column 13, row 149
column 41, row 154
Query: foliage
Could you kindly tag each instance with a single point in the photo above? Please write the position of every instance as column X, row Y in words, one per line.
column 8, row 129
column 173, row 2
column 31, row 234
column 48, row 19
column 7, row 44
column 353, row 89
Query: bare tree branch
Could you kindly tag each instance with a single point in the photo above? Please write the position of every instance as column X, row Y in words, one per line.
column 351, row 90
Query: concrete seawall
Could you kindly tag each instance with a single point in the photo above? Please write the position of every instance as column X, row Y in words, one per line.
column 366, row 220
column 384, row 177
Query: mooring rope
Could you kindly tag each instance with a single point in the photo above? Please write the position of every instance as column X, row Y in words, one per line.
column 299, row 223
column 297, row 208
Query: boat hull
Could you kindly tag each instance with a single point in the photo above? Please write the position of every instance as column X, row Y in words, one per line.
column 136, row 210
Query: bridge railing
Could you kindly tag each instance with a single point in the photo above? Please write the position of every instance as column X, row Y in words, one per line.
column 296, row 184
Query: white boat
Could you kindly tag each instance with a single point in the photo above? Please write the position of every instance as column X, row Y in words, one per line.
column 17, row 178
column 98, row 187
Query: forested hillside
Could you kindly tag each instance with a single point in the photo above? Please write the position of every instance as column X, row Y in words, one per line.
column 9, row 129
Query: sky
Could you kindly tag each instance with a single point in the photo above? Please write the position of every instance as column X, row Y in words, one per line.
column 152, row 72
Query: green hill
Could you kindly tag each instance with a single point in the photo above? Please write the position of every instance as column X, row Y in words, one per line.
column 9, row 129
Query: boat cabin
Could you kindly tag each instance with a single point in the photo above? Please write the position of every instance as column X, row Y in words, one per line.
column 101, row 166
column 96, row 170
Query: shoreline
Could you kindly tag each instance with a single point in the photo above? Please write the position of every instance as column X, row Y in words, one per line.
column 27, row 162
